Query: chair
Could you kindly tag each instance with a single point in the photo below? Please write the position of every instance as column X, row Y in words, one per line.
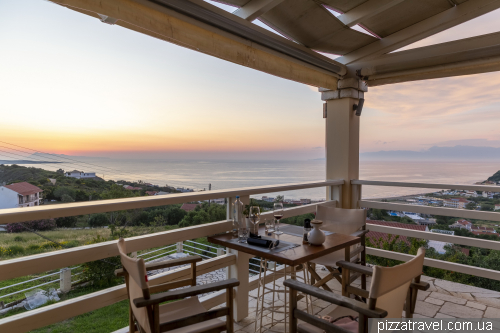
column 185, row 315
column 342, row 221
column 391, row 288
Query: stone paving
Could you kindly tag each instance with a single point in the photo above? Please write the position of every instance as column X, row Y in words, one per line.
column 444, row 299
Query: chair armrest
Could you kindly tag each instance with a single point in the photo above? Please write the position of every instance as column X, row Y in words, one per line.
column 187, row 292
column 420, row 285
column 165, row 264
column 360, row 233
column 335, row 299
column 355, row 267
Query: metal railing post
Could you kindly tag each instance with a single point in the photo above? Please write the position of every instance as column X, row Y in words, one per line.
column 65, row 280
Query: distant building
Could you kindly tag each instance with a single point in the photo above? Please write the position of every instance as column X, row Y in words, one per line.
column 438, row 245
column 427, row 222
column 80, row 174
column 462, row 224
column 414, row 216
column 52, row 181
column 189, row 207
column 151, row 192
column 267, row 199
column 184, row 190
column 374, row 236
column 483, row 231
column 162, row 193
column 456, row 203
column 132, row 188
column 20, row 195
column 497, row 207
column 305, row 201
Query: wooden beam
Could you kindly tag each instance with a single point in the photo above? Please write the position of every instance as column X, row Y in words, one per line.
column 169, row 25
column 366, row 10
column 473, row 55
column 256, row 8
column 464, row 12
column 487, row 188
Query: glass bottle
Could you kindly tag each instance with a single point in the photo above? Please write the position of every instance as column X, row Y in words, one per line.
column 307, row 228
column 238, row 217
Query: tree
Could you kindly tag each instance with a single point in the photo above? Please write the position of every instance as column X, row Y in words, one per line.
column 64, row 190
column 98, row 220
column 67, row 198
column 60, row 171
column 471, row 205
column 66, row 222
column 279, row 198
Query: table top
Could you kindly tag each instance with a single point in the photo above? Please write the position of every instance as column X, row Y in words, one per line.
column 294, row 256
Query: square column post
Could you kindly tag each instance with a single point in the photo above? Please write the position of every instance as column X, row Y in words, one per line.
column 342, row 137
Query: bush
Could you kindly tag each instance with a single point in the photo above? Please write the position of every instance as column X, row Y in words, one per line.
column 64, row 190
column 34, row 247
column 101, row 272
column 67, row 198
column 98, row 220
column 66, row 222
column 37, row 225
column 18, row 239
column 15, row 249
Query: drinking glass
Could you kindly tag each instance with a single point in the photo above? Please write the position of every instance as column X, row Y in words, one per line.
column 255, row 218
column 269, row 225
column 242, row 235
column 278, row 214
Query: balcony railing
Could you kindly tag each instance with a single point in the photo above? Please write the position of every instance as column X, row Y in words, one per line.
column 238, row 265
column 60, row 311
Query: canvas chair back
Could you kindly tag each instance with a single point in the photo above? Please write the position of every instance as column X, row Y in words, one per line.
column 137, row 285
column 339, row 220
column 390, row 285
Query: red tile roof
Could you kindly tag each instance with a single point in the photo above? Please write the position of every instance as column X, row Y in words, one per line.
column 485, row 233
column 189, row 207
column 151, row 192
column 133, row 188
column 464, row 222
column 374, row 236
column 482, row 228
column 24, row 188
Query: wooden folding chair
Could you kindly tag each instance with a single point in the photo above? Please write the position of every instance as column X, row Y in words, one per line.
column 390, row 290
column 185, row 315
column 347, row 222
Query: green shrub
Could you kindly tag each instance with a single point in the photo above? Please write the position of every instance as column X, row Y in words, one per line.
column 15, row 249
column 18, row 239
column 72, row 243
column 33, row 247
column 98, row 220
column 66, row 222
column 101, row 272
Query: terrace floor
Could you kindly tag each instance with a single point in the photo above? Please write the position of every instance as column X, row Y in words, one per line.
column 444, row 299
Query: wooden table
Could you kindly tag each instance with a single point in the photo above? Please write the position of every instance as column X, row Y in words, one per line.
column 292, row 257
column 295, row 256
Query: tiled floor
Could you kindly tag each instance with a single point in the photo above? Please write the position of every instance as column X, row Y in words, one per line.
column 443, row 300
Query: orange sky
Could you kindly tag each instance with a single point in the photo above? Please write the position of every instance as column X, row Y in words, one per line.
column 76, row 86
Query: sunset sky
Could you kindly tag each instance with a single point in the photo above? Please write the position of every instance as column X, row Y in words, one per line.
column 71, row 84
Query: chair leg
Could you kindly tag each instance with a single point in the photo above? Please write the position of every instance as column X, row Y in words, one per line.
column 312, row 266
column 230, row 316
column 293, row 305
column 131, row 322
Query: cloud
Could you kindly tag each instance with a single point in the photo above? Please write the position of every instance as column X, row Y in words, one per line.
column 468, row 142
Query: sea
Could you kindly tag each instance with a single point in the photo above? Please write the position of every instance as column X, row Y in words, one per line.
column 226, row 174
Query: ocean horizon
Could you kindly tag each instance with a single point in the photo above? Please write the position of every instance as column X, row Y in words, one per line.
column 226, row 174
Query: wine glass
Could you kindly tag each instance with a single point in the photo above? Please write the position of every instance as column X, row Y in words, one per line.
column 242, row 235
column 270, row 225
column 278, row 214
column 255, row 218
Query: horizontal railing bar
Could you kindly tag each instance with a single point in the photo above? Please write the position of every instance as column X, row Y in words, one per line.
column 159, row 255
column 197, row 248
column 201, row 255
column 486, row 188
column 43, row 262
column 12, row 215
column 453, row 212
column 28, row 281
column 294, row 211
column 163, row 248
column 57, row 312
column 20, row 291
column 469, row 241
column 449, row 266
column 213, row 247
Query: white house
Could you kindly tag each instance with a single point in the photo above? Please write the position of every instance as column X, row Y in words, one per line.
column 497, row 207
column 80, row 174
column 462, row 224
column 20, row 195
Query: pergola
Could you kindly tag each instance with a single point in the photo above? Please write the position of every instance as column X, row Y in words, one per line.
column 310, row 27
